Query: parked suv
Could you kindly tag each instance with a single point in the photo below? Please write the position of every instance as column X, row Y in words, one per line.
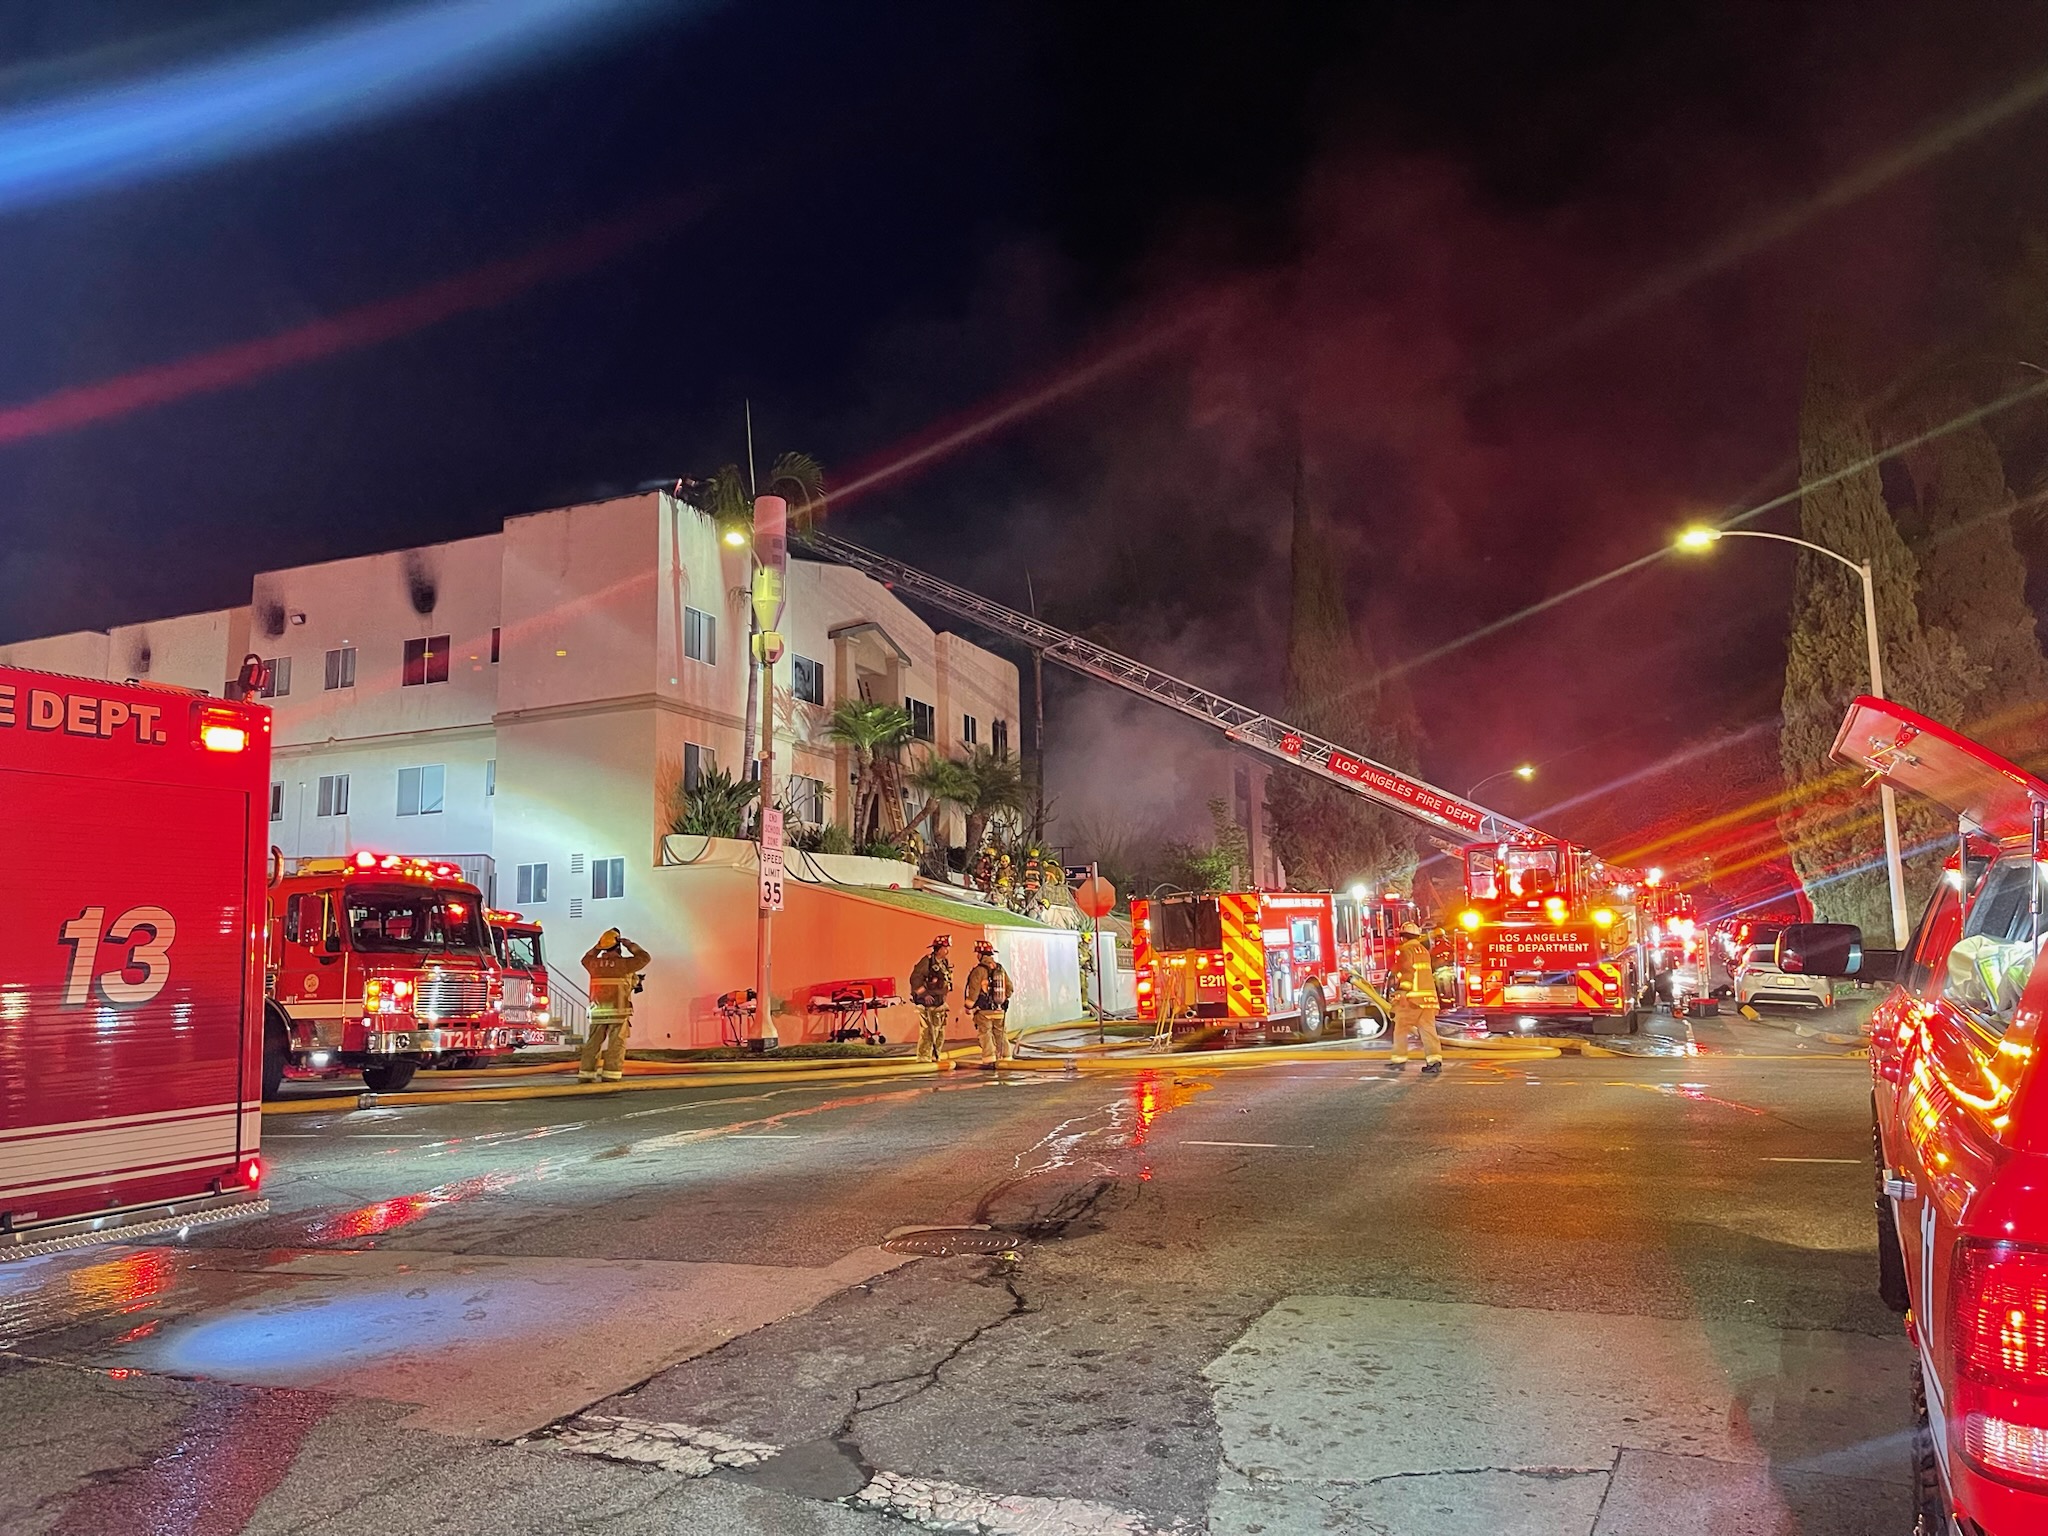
column 1961, row 1133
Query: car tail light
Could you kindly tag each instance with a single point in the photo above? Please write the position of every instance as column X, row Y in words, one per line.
column 2000, row 1342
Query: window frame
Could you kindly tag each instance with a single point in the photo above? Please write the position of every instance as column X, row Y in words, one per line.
column 801, row 667
column 531, row 882
column 430, row 652
column 924, row 719
column 338, row 669
column 700, row 635
column 331, row 795
column 608, row 879
column 424, row 774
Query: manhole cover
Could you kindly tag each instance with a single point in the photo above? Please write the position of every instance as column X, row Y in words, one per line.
column 945, row 1242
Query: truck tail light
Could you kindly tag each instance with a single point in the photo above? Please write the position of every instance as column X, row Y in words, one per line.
column 2001, row 1351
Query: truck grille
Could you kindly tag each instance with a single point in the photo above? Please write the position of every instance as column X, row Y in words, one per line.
column 443, row 996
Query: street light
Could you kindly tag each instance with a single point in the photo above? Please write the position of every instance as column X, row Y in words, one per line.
column 1895, row 870
column 1524, row 772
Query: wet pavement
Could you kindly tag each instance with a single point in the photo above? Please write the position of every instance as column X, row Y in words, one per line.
column 1594, row 1296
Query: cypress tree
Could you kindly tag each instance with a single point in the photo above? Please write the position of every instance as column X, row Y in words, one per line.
column 1329, row 837
column 1829, row 821
column 1974, row 584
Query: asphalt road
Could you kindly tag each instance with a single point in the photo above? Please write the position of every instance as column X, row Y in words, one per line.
column 1561, row 1296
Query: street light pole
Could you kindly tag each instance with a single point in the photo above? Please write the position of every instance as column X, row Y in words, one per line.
column 1525, row 772
column 1888, row 802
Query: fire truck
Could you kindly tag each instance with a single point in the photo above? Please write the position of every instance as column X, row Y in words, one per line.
column 523, row 991
column 1549, row 934
column 1575, row 956
column 1252, row 960
column 131, row 959
column 382, row 964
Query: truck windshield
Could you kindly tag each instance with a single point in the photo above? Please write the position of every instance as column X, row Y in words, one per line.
column 1193, row 924
column 519, row 951
column 392, row 921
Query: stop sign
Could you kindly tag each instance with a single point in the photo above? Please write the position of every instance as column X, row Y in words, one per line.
column 1095, row 896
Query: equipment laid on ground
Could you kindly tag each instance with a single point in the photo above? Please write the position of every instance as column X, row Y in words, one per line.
column 131, row 958
column 852, row 1007
column 1516, row 965
column 383, row 964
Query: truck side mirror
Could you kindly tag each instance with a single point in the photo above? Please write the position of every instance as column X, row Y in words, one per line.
column 1833, row 949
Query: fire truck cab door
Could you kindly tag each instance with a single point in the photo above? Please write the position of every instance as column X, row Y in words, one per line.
column 306, row 967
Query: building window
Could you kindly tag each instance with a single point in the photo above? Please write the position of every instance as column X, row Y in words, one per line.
column 277, row 677
column 341, row 668
column 923, row 722
column 807, row 679
column 806, row 800
column 607, row 879
column 970, row 729
column 697, row 761
column 276, row 802
column 333, row 795
column 999, row 737
column 532, row 884
column 700, row 636
column 426, row 661
column 419, row 790
column 490, row 777
column 494, row 645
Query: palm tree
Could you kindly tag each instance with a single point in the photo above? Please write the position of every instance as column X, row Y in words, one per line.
column 943, row 781
column 874, row 732
column 728, row 498
column 998, row 787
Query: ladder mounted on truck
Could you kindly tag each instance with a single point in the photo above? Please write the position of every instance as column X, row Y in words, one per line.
column 1424, row 802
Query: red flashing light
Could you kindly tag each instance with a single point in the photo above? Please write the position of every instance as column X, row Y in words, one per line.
column 252, row 1170
column 366, row 860
column 223, row 738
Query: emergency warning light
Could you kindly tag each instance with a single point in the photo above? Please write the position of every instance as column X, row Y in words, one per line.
column 223, row 730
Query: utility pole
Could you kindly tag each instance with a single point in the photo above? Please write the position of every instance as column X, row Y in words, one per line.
column 771, row 565
column 1038, row 723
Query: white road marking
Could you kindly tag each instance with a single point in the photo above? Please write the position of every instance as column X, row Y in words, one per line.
column 760, row 1136
column 1850, row 1162
column 1266, row 1146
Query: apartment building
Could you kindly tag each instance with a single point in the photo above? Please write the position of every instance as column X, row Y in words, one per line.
column 521, row 701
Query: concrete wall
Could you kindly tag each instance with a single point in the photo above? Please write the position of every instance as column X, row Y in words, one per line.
column 80, row 654
column 464, row 825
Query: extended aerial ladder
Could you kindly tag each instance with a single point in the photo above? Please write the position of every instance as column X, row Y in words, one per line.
column 1523, row 949
column 1435, row 808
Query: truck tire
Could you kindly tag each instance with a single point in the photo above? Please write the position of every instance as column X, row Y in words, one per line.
column 1930, row 1505
column 389, row 1076
column 1892, row 1289
column 1310, row 1025
column 277, row 1049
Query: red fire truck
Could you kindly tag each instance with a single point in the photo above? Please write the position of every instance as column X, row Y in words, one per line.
column 382, row 964
column 1250, row 960
column 523, row 1001
column 131, row 958
column 1548, row 934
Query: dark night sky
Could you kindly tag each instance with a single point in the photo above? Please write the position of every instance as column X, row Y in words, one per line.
column 1397, row 222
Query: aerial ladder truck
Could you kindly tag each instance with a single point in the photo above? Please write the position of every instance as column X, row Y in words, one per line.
column 1548, row 932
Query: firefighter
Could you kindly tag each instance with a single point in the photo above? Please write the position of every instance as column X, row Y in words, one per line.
column 988, row 994
column 931, row 984
column 614, row 964
column 1415, row 1003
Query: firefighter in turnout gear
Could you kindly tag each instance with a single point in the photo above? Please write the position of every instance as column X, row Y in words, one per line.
column 988, row 995
column 931, row 984
column 614, row 965
column 1415, row 1002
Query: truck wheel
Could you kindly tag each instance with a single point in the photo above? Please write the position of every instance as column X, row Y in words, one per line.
column 1310, row 1026
column 1891, row 1258
column 389, row 1076
column 1930, row 1505
column 277, row 1049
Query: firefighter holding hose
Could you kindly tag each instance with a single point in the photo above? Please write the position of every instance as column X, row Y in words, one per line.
column 614, row 964
column 1415, row 1002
